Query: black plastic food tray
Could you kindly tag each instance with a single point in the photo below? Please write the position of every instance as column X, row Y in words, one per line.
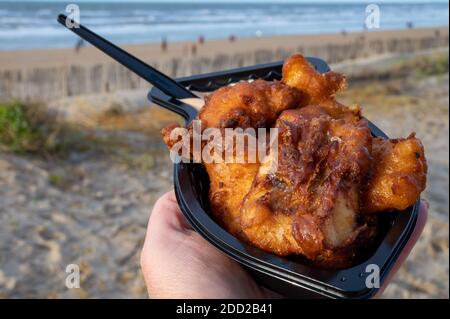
column 290, row 277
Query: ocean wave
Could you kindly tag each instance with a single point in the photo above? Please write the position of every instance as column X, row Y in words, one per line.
column 33, row 32
column 44, row 12
column 34, row 24
column 95, row 13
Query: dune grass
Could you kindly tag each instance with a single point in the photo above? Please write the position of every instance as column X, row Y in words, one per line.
column 31, row 129
column 18, row 131
column 436, row 64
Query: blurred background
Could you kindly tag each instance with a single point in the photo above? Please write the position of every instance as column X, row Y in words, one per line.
column 81, row 158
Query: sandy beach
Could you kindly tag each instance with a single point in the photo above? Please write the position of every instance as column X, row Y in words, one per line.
column 150, row 52
column 46, row 75
column 90, row 204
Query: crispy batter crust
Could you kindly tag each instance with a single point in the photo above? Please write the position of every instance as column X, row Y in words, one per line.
column 255, row 104
column 399, row 174
column 311, row 204
column 315, row 87
column 243, row 105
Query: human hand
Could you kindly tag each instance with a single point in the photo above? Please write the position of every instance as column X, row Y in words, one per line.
column 178, row 263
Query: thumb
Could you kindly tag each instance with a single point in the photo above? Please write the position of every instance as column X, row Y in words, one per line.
column 166, row 216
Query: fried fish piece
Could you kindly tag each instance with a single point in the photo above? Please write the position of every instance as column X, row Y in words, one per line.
column 229, row 183
column 243, row 105
column 399, row 174
column 311, row 204
column 314, row 86
column 256, row 104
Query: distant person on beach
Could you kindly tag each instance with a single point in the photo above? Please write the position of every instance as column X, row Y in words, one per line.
column 232, row 38
column 178, row 263
column 201, row 39
column 164, row 44
column 194, row 49
column 79, row 45
column 410, row 25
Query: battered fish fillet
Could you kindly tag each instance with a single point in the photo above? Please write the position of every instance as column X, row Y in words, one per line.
column 229, row 183
column 314, row 86
column 256, row 104
column 244, row 105
column 398, row 176
column 310, row 205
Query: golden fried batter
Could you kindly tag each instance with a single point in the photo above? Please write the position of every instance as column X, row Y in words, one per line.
column 399, row 174
column 244, row 105
column 229, row 183
column 314, row 86
column 310, row 205
column 256, row 104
